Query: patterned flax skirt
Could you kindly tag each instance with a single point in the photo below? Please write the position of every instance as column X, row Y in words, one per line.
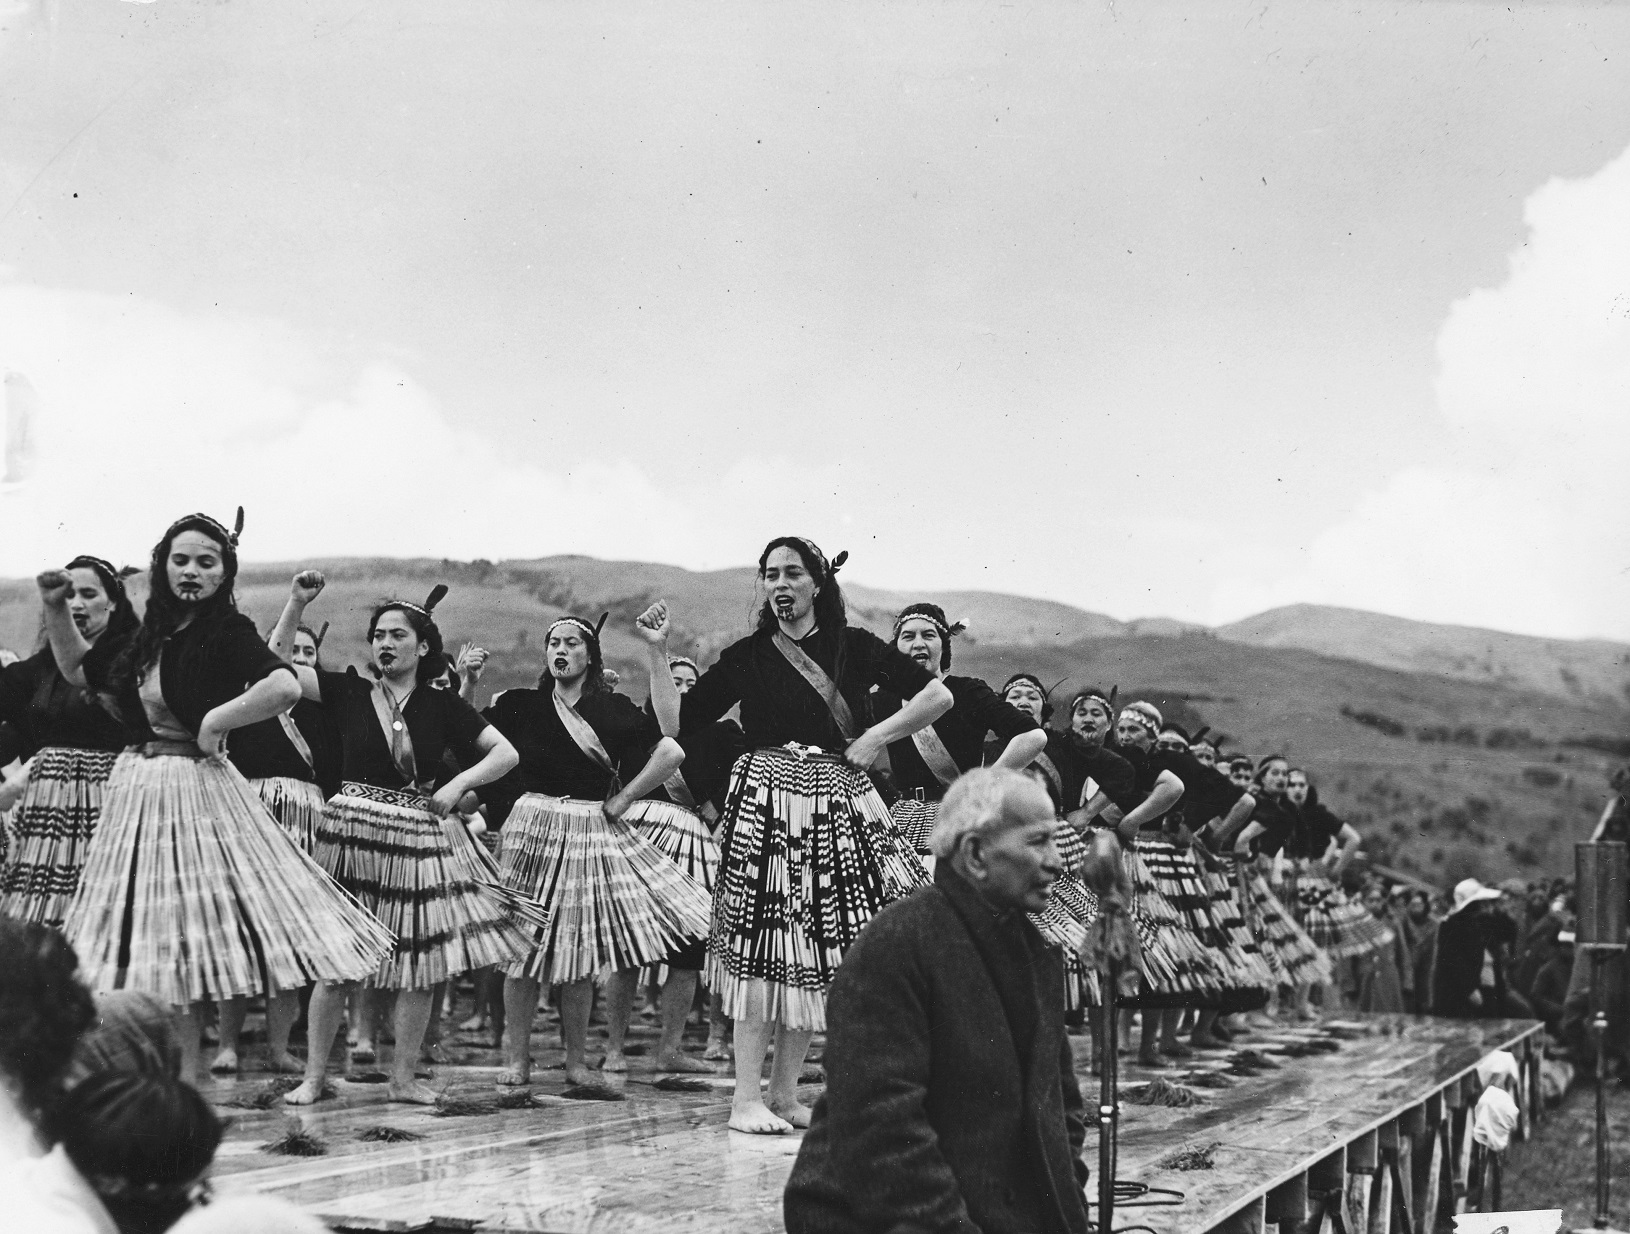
column 1295, row 957
column 428, row 881
column 683, row 838
column 190, row 888
column 1252, row 968
column 616, row 900
column 297, row 805
column 1177, row 966
column 1343, row 928
column 51, row 829
column 915, row 819
column 1072, row 909
column 809, row 855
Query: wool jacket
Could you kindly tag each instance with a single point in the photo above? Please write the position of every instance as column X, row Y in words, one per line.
column 951, row 1104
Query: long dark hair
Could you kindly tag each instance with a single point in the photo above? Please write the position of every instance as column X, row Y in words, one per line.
column 424, row 626
column 594, row 680
column 165, row 612
column 831, row 613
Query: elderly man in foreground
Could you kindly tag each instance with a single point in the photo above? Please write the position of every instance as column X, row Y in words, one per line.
column 951, row 1102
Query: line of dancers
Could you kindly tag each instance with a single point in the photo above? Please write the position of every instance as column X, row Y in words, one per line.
column 210, row 815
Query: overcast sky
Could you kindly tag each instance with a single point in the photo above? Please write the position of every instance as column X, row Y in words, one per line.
column 1186, row 310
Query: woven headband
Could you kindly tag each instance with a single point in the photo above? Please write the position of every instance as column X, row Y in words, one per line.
column 424, row 610
column 828, row 568
column 1140, row 714
column 676, row 661
column 1108, row 700
column 946, row 631
column 229, row 538
column 103, row 568
column 592, row 631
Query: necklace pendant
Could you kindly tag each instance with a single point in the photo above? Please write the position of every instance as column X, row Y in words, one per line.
column 397, row 725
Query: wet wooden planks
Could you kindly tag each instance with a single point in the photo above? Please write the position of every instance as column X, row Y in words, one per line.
column 666, row 1160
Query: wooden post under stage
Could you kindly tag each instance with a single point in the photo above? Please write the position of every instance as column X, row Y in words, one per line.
column 665, row 1161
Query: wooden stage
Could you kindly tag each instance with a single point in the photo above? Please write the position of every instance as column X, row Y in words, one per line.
column 665, row 1161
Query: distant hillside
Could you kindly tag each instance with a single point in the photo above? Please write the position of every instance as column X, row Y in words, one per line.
column 1448, row 766
column 1572, row 669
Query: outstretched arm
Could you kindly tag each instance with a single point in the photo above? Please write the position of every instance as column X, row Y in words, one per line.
column 1350, row 840
column 1235, row 819
column 305, row 587
column 652, row 627
column 472, row 660
column 68, row 646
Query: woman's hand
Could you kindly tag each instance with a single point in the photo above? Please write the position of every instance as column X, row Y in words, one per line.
column 212, row 737
column 307, row 586
column 863, row 751
column 471, row 661
column 442, row 802
column 652, row 625
column 617, row 805
column 54, row 587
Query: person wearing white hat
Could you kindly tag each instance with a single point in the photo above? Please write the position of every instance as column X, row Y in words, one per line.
column 1468, row 981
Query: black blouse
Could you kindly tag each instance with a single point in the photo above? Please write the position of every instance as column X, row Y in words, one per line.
column 1207, row 793
column 263, row 750
column 710, row 753
column 551, row 762
column 437, row 720
column 1076, row 762
column 1278, row 820
column 778, row 705
column 977, row 711
column 44, row 710
column 208, row 663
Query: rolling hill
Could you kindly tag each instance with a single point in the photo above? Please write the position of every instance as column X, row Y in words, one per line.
column 1455, row 751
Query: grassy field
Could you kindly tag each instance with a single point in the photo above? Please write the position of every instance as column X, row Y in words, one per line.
column 1447, row 775
column 1557, row 1168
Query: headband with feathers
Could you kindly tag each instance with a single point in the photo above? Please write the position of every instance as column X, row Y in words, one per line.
column 229, row 538
column 437, row 594
column 592, row 631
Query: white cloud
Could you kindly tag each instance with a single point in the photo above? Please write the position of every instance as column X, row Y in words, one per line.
column 145, row 414
column 1528, row 527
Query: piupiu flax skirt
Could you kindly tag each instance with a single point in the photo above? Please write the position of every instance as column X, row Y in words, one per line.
column 1295, row 957
column 682, row 837
column 1341, row 927
column 808, row 856
column 915, row 819
column 616, row 900
column 428, row 881
column 51, row 829
column 190, row 890
column 297, row 805
column 1178, row 969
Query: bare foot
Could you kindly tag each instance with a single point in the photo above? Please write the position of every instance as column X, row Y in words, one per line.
column 1205, row 1041
column 515, row 1077
column 226, row 1063
column 285, row 1064
column 474, row 1024
column 363, row 1052
column 412, row 1093
column 718, row 1050
column 682, row 1062
column 309, row 1092
column 614, row 1061
column 756, row 1119
column 794, row 1112
column 579, row 1074
column 434, row 1054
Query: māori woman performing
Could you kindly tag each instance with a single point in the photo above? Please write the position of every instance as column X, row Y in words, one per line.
column 281, row 758
column 925, row 764
column 616, row 900
column 68, row 737
column 1304, row 837
column 1239, row 970
column 808, row 851
column 388, row 837
column 191, row 890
